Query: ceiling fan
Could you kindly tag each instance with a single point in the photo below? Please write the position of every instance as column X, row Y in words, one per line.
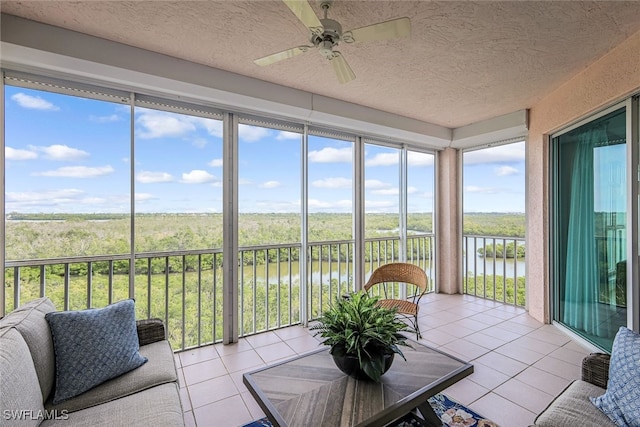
column 325, row 34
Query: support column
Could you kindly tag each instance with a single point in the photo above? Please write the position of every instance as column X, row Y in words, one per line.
column 448, row 221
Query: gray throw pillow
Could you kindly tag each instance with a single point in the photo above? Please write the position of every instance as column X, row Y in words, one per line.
column 93, row 346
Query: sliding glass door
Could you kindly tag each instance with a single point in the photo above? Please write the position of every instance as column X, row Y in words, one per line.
column 589, row 232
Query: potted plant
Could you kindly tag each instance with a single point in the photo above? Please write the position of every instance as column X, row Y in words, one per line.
column 363, row 336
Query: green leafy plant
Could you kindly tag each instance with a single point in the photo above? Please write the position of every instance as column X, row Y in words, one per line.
column 357, row 326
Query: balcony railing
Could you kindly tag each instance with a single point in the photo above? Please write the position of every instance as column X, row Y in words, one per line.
column 185, row 287
column 494, row 268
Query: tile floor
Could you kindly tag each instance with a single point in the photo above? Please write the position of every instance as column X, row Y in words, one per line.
column 519, row 363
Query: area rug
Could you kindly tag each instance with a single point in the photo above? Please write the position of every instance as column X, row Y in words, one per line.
column 452, row 414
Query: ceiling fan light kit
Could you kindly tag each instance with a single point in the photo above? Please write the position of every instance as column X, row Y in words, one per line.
column 326, row 34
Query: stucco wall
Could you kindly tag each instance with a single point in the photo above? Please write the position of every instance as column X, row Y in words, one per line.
column 612, row 78
column 448, row 224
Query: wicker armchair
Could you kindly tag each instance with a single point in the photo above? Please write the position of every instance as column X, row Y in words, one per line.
column 572, row 407
column 399, row 272
column 150, row 331
column 595, row 369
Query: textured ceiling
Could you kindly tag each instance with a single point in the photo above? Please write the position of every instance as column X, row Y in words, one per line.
column 464, row 61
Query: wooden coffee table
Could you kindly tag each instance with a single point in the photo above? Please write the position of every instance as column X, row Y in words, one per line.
column 309, row 390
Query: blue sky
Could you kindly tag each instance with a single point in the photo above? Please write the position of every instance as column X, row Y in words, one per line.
column 70, row 154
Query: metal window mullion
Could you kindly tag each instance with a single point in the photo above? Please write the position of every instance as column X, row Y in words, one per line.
column 16, row 287
column 132, row 198
column 166, row 291
column 358, row 213
column 111, row 282
column 304, row 228
column 184, row 293
column 66, row 286
column 43, row 281
column 230, row 232
column 3, row 296
column 149, row 287
column 89, row 283
column 199, row 299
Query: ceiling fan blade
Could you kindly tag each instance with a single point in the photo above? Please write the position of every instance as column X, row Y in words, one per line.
column 395, row 28
column 302, row 9
column 279, row 56
column 344, row 73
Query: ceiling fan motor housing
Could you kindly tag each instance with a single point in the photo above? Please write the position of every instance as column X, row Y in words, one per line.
column 329, row 38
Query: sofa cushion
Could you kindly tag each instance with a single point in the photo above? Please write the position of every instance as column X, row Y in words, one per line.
column 155, row 407
column 160, row 369
column 29, row 321
column 572, row 408
column 20, row 398
column 92, row 346
column 621, row 402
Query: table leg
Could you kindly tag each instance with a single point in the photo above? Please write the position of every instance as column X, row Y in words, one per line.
column 430, row 417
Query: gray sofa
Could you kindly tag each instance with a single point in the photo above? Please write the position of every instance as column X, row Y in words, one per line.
column 146, row 396
column 572, row 407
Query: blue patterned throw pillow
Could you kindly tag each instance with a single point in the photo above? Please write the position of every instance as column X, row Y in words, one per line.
column 621, row 401
column 93, row 346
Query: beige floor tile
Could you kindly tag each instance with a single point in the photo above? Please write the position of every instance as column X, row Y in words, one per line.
column 487, row 377
column 524, row 395
column 503, row 412
column 535, row 345
column 469, row 324
column 485, row 340
column 237, row 378
column 502, row 314
column 527, row 320
column 560, row 368
column 518, row 328
column 276, row 351
column 468, row 349
column 176, row 359
column 437, row 336
column 519, row 353
column 253, row 407
column 547, row 335
column 227, row 349
column 211, row 391
column 501, row 333
column 303, row 344
column 204, row 371
column 230, row 412
column 456, row 331
column 189, row 420
column 465, row 391
column 197, row 355
column 543, row 380
column 286, row 334
column 242, row 361
column 502, row 363
column 570, row 356
column 431, row 321
column 486, row 319
column 262, row 339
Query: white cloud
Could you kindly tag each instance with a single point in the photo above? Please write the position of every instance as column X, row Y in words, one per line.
column 17, row 154
column 331, row 155
column 411, row 190
column 383, row 159
column 386, row 192
column 148, row 177
column 373, row 184
column 419, row 159
column 505, row 171
column 332, row 183
column 160, row 124
column 93, row 201
column 199, row 142
column 61, row 152
column 284, row 135
column 78, row 172
column 244, row 181
column 105, row 119
column 33, row 102
column 141, row 197
column 40, row 197
column 249, row 133
column 270, row 184
column 212, row 126
column 197, row 177
column 323, row 204
column 215, row 163
column 500, row 154
column 482, row 190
